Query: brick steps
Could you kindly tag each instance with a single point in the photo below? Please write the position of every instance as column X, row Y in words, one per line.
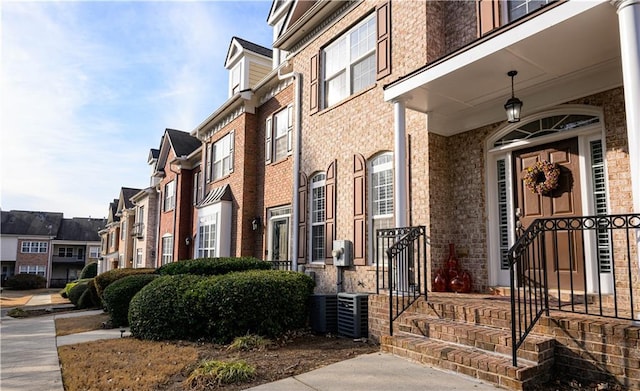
column 537, row 349
column 472, row 338
column 483, row 365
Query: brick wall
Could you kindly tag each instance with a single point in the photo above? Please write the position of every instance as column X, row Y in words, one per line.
column 32, row 259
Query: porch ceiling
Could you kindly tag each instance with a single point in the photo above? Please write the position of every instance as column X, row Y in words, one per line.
column 570, row 51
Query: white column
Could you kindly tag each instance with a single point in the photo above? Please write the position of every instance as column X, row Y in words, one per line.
column 629, row 24
column 400, row 189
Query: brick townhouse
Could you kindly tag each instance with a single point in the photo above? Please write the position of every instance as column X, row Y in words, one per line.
column 116, row 240
column 144, row 230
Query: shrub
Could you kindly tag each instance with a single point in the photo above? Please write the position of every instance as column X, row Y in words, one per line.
column 76, row 292
column 91, row 284
column 221, row 307
column 117, row 296
column 158, row 311
column 89, row 271
column 212, row 373
column 25, row 281
column 64, row 294
column 213, row 266
column 256, row 302
column 103, row 280
column 17, row 313
column 70, row 285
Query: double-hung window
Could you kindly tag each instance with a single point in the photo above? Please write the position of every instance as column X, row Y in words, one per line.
column 278, row 135
column 169, row 196
column 34, row 247
column 167, row 249
column 139, row 257
column 350, row 62
column 318, row 205
column 223, row 156
column 207, row 236
column 94, row 252
column 32, row 269
column 381, row 195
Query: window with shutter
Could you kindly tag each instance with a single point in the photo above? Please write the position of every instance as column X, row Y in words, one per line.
column 383, row 42
column 359, row 210
column 330, row 211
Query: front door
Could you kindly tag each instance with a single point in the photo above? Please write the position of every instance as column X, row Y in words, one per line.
column 280, row 239
column 564, row 201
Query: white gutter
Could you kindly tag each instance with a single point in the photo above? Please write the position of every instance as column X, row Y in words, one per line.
column 296, row 161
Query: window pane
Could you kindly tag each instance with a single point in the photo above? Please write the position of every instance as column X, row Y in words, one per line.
column 336, row 89
column 363, row 39
column 317, row 243
column 364, row 73
column 336, row 57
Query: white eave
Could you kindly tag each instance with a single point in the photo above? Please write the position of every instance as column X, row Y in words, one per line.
column 569, row 51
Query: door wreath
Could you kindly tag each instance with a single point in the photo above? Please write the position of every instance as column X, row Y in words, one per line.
column 542, row 177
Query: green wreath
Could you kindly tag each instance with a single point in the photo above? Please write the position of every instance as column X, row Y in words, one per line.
column 542, row 177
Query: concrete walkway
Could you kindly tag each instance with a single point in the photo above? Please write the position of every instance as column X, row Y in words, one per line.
column 29, row 361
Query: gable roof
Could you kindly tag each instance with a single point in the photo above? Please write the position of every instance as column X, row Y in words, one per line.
column 113, row 210
column 182, row 143
column 21, row 222
column 125, row 198
column 81, row 229
column 239, row 45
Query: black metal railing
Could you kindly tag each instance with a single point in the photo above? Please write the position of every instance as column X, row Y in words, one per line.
column 59, row 282
column 401, row 267
column 581, row 265
column 281, row 265
column 138, row 230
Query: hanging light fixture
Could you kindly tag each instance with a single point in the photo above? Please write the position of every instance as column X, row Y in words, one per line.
column 513, row 105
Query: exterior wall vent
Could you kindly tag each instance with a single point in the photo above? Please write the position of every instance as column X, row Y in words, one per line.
column 353, row 315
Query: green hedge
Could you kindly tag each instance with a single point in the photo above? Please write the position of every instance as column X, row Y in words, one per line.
column 77, row 291
column 25, row 281
column 103, row 280
column 89, row 271
column 213, row 266
column 83, row 294
column 70, row 285
column 118, row 295
column 219, row 308
column 158, row 311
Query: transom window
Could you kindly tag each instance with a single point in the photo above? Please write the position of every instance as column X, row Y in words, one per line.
column 169, row 196
column 318, row 197
column 223, row 156
column 34, row 247
column 349, row 62
column 546, row 126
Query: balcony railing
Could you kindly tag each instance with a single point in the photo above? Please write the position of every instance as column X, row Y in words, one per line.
column 582, row 265
column 402, row 253
column 281, row 265
column 138, row 230
column 74, row 259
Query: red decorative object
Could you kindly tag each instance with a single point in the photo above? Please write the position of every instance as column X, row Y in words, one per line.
column 466, row 282
column 452, row 266
column 456, row 284
column 440, row 282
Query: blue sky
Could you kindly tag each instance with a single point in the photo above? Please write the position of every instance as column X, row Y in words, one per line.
column 87, row 88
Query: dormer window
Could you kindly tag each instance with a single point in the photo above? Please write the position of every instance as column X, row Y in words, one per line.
column 235, row 79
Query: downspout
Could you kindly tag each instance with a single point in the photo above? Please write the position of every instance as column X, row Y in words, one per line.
column 158, row 214
column 297, row 145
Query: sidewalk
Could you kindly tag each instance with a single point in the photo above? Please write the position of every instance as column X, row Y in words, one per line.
column 29, row 361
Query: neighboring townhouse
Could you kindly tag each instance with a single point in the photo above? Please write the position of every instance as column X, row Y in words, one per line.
column 246, row 204
column 47, row 244
column 145, row 226
column 126, row 215
column 76, row 244
column 110, row 240
column 177, row 165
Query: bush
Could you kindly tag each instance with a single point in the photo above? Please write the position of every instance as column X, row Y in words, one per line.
column 89, row 271
column 118, row 295
column 213, row 266
column 70, row 285
column 76, row 292
column 221, row 307
column 25, row 281
column 158, row 310
column 103, row 280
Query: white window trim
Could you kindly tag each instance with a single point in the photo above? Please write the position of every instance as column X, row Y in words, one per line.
column 314, row 185
column 166, row 254
column 271, row 128
column 227, row 153
column 273, row 214
column 371, row 217
column 169, row 196
column 349, row 63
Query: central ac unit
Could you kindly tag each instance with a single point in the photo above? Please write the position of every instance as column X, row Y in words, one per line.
column 353, row 315
column 324, row 314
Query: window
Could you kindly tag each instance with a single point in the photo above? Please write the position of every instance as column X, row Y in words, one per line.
column 80, row 254
column 94, row 252
column 65, row 252
column 123, row 229
column 207, row 236
column 235, row 79
column 349, row 62
column 169, row 196
column 32, row 269
column 140, row 216
column 381, row 195
column 546, row 126
column 139, row 257
column 112, row 239
column 517, row 9
column 318, row 197
column 278, row 135
column 208, row 172
column 503, row 222
column 34, row 247
column 167, row 249
column 223, row 156
column 196, row 187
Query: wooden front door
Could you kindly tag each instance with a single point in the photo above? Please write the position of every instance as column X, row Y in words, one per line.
column 564, row 252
